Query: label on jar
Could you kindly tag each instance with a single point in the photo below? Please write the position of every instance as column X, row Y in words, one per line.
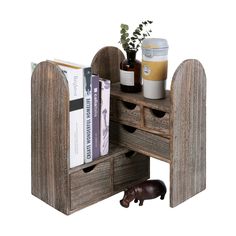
column 154, row 70
column 127, row 77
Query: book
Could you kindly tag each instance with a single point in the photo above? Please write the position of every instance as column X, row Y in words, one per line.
column 95, row 117
column 33, row 66
column 87, row 115
column 74, row 74
column 105, row 86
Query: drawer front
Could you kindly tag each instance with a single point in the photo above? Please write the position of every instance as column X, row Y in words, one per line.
column 129, row 169
column 90, row 185
column 140, row 141
column 157, row 120
column 125, row 112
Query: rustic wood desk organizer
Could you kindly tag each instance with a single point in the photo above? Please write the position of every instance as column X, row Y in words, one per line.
column 172, row 130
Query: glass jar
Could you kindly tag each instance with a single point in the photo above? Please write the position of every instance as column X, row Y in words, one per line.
column 154, row 67
column 130, row 74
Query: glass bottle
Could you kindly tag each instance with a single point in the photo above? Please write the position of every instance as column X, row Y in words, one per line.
column 130, row 73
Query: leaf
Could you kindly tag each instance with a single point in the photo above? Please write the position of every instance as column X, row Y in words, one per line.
column 122, row 31
column 124, row 27
column 123, row 41
column 123, row 36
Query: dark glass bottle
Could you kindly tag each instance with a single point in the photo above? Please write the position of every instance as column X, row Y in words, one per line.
column 130, row 74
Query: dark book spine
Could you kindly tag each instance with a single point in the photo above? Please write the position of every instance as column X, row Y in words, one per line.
column 95, row 117
column 87, row 115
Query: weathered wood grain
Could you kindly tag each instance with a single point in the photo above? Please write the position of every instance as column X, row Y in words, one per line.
column 137, row 98
column 122, row 113
column 129, row 170
column 136, row 111
column 141, row 141
column 87, row 188
column 106, row 63
column 50, row 136
column 188, row 131
column 156, row 120
column 114, row 151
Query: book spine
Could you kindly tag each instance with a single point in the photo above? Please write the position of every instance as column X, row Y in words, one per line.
column 95, row 117
column 87, row 115
column 105, row 87
column 75, row 84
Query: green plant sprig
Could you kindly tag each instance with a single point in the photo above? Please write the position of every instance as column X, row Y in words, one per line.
column 134, row 42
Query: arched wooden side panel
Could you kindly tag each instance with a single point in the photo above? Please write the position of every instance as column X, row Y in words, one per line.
column 50, row 136
column 188, row 132
column 106, row 63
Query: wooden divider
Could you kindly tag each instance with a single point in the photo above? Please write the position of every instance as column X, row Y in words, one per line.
column 188, row 132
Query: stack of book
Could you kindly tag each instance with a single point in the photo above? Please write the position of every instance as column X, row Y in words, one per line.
column 89, row 113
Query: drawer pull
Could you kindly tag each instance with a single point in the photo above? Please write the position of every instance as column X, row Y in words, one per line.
column 130, row 154
column 129, row 128
column 89, row 169
column 158, row 113
column 129, row 105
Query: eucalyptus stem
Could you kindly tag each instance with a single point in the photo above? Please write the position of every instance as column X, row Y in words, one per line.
column 133, row 42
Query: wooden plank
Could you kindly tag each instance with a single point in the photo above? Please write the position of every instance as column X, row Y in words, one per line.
column 138, row 140
column 114, row 150
column 137, row 98
column 188, row 131
column 129, row 170
column 50, row 136
column 106, row 63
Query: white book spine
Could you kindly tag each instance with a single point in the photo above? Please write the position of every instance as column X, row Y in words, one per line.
column 104, row 116
column 75, row 84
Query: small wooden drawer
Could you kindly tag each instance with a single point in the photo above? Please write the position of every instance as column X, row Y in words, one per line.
column 140, row 141
column 91, row 184
column 157, row 121
column 126, row 112
column 129, row 169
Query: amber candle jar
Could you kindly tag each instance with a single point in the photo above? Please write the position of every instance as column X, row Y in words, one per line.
column 130, row 74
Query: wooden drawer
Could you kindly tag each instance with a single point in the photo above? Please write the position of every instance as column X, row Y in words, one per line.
column 156, row 120
column 139, row 116
column 91, row 184
column 129, row 169
column 125, row 112
column 140, row 141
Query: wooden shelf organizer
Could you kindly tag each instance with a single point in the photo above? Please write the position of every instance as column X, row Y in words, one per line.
column 172, row 130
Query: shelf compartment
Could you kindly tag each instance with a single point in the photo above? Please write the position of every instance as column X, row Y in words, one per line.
column 145, row 114
column 114, row 150
column 141, row 141
column 129, row 169
column 137, row 98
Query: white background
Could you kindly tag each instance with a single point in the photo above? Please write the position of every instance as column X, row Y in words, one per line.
column 74, row 30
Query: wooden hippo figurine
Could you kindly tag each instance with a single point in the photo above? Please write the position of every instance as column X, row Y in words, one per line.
column 146, row 190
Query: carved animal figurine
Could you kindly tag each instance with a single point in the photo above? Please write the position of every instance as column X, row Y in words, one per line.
column 146, row 190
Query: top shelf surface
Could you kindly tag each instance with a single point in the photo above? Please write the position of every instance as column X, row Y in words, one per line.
column 137, row 98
